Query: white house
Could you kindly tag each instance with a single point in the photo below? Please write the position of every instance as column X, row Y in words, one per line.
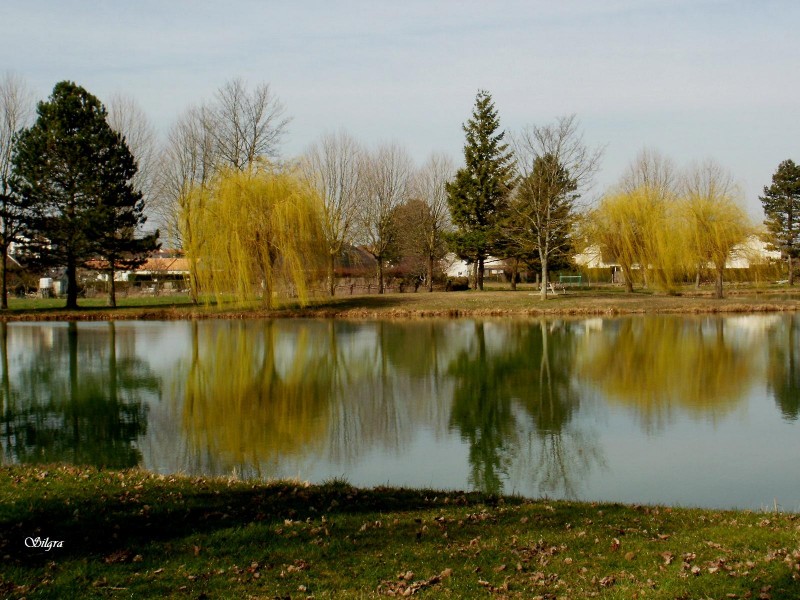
column 753, row 251
column 455, row 267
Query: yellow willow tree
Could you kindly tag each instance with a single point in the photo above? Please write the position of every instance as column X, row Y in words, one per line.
column 258, row 234
column 713, row 220
column 634, row 228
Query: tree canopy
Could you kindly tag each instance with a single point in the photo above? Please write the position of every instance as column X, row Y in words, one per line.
column 73, row 176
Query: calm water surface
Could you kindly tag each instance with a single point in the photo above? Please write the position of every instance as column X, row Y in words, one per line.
column 693, row 411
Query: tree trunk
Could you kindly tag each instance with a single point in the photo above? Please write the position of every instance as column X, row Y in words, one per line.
column 475, row 275
column 480, row 273
column 4, row 278
column 430, row 272
column 697, row 278
column 72, row 283
column 718, row 284
column 112, row 361
column 112, row 289
column 626, row 275
column 193, row 287
column 543, row 291
column 331, row 275
column 380, row 276
column 791, row 273
column 514, row 271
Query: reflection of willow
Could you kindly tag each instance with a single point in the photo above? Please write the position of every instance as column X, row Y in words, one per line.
column 784, row 368
column 659, row 364
column 513, row 401
column 252, row 395
column 87, row 411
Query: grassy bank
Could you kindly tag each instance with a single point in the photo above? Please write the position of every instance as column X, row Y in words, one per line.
column 138, row 535
column 493, row 302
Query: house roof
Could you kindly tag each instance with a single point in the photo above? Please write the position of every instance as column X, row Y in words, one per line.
column 164, row 265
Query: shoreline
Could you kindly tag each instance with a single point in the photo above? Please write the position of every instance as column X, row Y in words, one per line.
column 422, row 305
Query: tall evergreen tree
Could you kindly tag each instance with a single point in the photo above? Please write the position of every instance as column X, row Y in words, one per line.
column 73, row 177
column 478, row 195
column 781, row 202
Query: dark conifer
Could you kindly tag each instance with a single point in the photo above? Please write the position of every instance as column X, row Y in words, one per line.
column 781, row 202
column 478, row 195
column 73, row 178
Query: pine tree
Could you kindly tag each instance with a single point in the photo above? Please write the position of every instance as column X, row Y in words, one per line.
column 73, row 177
column 781, row 202
column 478, row 195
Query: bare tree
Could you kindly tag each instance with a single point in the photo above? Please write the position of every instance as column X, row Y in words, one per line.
column 428, row 185
column 249, row 125
column 386, row 172
column 126, row 117
column 333, row 166
column 651, row 171
column 555, row 167
column 16, row 111
column 188, row 163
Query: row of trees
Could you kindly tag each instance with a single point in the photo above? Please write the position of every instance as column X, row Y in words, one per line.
column 73, row 191
column 663, row 225
column 520, row 200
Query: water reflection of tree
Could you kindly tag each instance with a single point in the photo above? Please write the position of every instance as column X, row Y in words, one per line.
column 658, row 365
column 75, row 400
column 394, row 389
column 783, row 374
column 513, row 401
column 252, row 394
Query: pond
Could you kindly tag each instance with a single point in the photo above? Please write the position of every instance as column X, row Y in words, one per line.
column 688, row 411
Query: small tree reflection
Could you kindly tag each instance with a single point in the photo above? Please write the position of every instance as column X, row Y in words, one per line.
column 783, row 372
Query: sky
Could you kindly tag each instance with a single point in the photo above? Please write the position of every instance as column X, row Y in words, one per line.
column 693, row 79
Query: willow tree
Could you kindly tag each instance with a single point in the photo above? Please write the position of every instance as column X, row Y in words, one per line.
column 623, row 226
column 651, row 185
column 715, row 223
column 258, row 234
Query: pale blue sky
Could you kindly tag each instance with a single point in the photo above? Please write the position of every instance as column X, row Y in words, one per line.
column 693, row 79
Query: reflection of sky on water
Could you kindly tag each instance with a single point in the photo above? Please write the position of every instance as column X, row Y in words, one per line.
column 747, row 459
column 528, row 407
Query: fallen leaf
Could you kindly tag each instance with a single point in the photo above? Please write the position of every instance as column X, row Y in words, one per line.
column 608, row 581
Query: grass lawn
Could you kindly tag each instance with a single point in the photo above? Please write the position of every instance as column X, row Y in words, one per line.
column 492, row 302
column 134, row 534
